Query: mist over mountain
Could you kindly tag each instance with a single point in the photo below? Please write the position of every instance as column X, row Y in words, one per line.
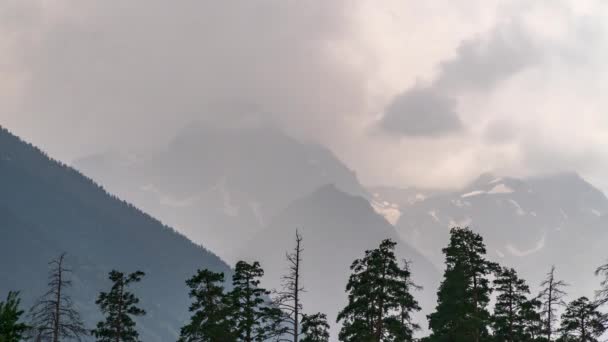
column 529, row 224
column 47, row 208
column 221, row 184
column 336, row 229
column 243, row 190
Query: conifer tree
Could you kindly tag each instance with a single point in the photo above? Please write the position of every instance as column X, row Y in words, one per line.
column 253, row 317
column 119, row 306
column 379, row 299
column 11, row 329
column 461, row 313
column 289, row 299
column 602, row 294
column 210, row 310
column 514, row 316
column 551, row 297
column 533, row 323
column 53, row 315
column 315, row 328
column 582, row 322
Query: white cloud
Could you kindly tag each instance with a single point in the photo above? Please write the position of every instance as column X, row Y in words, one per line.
column 527, row 78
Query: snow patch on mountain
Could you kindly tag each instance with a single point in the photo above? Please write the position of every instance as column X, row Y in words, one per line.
column 473, row 193
column 433, row 214
column 495, row 180
column 390, row 211
column 520, row 211
column 540, row 244
column 501, row 189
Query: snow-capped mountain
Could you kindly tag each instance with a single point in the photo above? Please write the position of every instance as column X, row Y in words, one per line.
column 527, row 223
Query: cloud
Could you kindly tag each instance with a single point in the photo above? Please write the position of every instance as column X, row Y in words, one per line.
column 467, row 86
column 421, row 112
column 109, row 70
column 480, row 64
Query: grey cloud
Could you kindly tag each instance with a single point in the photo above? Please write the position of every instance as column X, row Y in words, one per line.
column 112, row 69
column 480, row 64
column 483, row 62
column 421, row 112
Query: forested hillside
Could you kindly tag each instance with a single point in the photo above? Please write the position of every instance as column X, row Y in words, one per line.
column 47, row 208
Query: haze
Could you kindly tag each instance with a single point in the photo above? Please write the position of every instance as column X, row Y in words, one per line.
column 405, row 92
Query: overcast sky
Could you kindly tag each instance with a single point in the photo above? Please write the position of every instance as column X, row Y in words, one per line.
column 406, row 92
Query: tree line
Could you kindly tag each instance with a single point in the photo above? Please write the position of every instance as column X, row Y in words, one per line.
column 379, row 307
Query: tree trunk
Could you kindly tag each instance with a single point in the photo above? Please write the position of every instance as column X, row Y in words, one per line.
column 58, row 301
column 118, row 322
column 296, row 328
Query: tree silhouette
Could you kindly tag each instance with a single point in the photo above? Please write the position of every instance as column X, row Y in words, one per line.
column 118, row 306
column 315, row 328
column 551, row 296
column 210, row 319
column 11, row 329
column 581, row 321
column 379, row 299
column 254, row 318
column 289, row 298
column 461, row 313
column 514, row 316
column 53, row 315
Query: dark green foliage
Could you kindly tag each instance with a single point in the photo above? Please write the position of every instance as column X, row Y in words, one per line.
column 11, row 329
column 551, row 297
column 582, row 322
column 47, row 207
column 210, row 320
column 461, row 314
column 118, row 306
column 515, row 317
column 532, row 320
column 379, row 299
column 315, row 328
column 252, row 316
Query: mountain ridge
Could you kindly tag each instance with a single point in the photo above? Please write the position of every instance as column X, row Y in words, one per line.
column 47, row 208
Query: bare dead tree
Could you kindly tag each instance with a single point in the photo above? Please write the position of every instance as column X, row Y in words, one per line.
column 288, row 299
column 551, row 297
column 53, row 316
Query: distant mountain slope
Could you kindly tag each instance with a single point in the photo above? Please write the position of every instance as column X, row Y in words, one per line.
column 218, row 184
column 337, row 228
column 527, row 223
column 47, row 208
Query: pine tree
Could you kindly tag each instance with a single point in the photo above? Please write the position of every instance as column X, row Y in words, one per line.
column 289, row 298
column 253, row 317
column 551, row 296
column 602, row 294
column 379, row 299
column 533, row 324
column 514, row 316
column 11, row 329
column 582, row 322
column 315, row 328
column 210, row 320
column 53, row 315
column 461, row 313
column 119, row 305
